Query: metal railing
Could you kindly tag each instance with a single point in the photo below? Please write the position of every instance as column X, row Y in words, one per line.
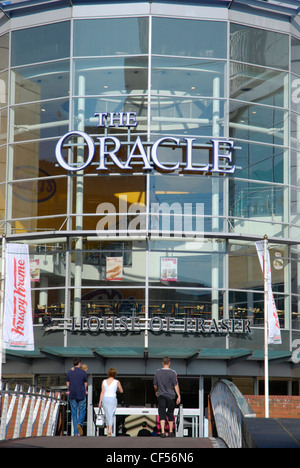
column 229, row 408
column 28, row 412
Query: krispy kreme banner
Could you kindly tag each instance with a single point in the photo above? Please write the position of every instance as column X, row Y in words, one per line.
column 18, row 325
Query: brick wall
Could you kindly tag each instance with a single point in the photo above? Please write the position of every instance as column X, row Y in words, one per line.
column 279, row 406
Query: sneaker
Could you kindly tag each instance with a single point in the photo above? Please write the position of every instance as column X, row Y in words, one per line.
column 80, row 430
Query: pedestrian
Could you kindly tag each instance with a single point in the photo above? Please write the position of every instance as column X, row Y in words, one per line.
column 77, row 383
column 108, row 397
column 166, row 389
column 144, row 432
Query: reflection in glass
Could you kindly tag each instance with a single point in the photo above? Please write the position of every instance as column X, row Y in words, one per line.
column 259, row 162
column 249, row 83
column 259, row 123
column 259, row 46
column 112, row 75
column 35, row 159
column 40, row 120
column 187, row 77
column 295, row 130
column 94, row 37
column 191, row 38
column 251, row 200
column 295, row 93
column 110, row 301
column 182, row 304
column 39, row 82
column 3, row 126
column 4, row 51
column 250, row 306
column 40, row 44
column 190, row 205
column 189, row 268
column 295, row 51
column 3, row 89
column 44, row 197
column 85, row 108
column 201, row 117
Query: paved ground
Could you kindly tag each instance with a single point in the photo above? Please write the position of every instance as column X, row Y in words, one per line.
column 112, row 443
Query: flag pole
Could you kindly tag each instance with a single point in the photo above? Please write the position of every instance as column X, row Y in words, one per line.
column 266, row 327
column 2, row 304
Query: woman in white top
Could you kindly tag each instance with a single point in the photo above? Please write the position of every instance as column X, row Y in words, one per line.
column 108, row 397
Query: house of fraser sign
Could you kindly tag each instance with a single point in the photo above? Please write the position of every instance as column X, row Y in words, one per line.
column 109, row 147
column 221, row 149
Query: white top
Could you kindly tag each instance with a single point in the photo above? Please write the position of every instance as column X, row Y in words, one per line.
column 111, row 389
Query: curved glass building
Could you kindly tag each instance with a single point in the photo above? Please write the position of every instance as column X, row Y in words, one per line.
column 145, row 148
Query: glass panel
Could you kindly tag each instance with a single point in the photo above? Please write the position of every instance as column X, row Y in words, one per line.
column 2, row 201
column 113, row 75
column 39, row 198
column 245, row 270
column 114, row 263
column 115, row 36
column 40, row 44
column 250, row 306
column 41, row 82
column 264, row 124
column 258, row 46
column 4, row 51
column 255, row 84
column 38, row 224
column 259, row 162
column 251, row 200
column 186, row 77
column 179, row 116
column 295, row 130
column 123, row 194
column 193, row 38
column 3, row 89
column 295, row 206
column 295, row 56
column 3, row 164
column 295, row 168
column 3, row 126
column 110, row 301
column 180, row 304
column 198, row 264
column 40, row 120
column 85, row 108
column 295, row 93
column 185, row 204
column 35, row 159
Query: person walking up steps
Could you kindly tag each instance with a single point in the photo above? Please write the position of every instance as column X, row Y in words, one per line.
column 166, row 389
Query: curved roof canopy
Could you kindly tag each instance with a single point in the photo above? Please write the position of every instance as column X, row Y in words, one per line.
column 287, row 9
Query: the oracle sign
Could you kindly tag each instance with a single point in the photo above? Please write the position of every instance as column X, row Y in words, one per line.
column 138, row 151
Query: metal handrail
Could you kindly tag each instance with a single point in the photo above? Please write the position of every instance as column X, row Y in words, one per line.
column 229, row 409
column 27, row 413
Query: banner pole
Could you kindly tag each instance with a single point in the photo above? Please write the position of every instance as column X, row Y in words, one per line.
column 2, row 304
column 266, row 327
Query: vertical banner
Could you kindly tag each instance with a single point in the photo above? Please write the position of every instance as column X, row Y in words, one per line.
column 18, row 325
column 274, row 328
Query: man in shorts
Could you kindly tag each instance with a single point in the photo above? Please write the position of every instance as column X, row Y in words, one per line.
column 166, row 389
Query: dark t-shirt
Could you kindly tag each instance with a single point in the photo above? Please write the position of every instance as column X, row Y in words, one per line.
column 76, row 379
column 165, row 380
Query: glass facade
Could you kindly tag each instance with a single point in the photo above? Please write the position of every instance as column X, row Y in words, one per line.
column 183, row 241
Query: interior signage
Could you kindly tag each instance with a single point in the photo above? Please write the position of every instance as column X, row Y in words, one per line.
column 110, row 145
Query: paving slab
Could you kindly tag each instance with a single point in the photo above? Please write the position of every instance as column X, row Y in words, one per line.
column 112, row 443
